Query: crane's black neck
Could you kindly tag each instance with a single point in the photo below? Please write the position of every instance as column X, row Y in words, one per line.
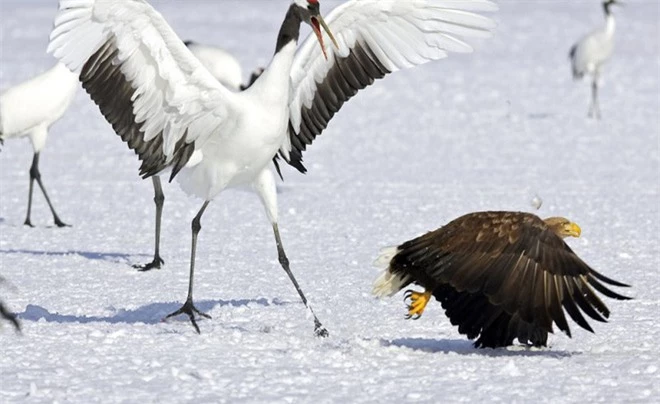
column 290, row 30
column 607, row 7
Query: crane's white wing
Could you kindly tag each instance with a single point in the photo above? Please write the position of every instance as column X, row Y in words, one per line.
column 155, row 93
column 375, row 37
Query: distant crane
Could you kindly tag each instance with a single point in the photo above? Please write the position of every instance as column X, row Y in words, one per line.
column 590, row 54
column 220, row 63
column 29, row 109
column 223, row 66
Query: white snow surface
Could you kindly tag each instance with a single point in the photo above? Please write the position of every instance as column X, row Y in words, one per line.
column 491, row 130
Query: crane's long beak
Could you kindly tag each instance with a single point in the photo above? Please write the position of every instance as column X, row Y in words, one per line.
column 317, row 23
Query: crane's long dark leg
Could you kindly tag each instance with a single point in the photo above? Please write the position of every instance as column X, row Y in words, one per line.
column 33, row 169
column 319, row 330
column 188, row 307
column 594, row 110
column 265, row 187
column 36, row 175
column 159, row 200
column 9, row 316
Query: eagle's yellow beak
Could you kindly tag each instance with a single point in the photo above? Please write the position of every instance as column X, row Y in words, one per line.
column 573, row 230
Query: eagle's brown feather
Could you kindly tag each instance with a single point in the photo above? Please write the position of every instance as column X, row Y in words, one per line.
column 504, row 275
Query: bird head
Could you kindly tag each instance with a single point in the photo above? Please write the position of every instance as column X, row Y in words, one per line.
column 563, row 227
column 310, row 11
column 607, row 4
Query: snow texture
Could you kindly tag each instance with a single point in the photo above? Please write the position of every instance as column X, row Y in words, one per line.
column 497, row 129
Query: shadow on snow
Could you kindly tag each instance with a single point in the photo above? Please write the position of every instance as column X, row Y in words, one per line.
column 465, row 347
column 90, row 255
column 152, row 313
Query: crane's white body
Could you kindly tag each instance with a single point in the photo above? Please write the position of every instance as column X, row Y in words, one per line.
column 31, row 107
column 590, row 54
column 594, row 50
column 253, row 136
column 222, row 65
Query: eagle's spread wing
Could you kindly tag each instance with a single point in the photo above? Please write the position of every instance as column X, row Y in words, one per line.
column 497, row 269
column 492, row 327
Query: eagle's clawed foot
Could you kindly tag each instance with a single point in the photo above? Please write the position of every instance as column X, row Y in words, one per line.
column 416, row 302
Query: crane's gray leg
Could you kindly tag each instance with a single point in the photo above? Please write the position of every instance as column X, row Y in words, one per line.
column 159, row 200
column 9, row 316
column 188, row 307
column 265, row 186
column 36, row 175
column 33, row 169
column 594, row 109
column 319, row 330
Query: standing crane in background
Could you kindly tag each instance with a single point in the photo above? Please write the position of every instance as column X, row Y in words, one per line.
column 220, row 63
column 29, row 109
column 590, row 54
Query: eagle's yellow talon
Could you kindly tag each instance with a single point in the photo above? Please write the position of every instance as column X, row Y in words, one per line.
column 416, row 302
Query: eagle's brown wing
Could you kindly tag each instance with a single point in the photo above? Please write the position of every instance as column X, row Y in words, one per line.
column 475, row 316
column 517, row 263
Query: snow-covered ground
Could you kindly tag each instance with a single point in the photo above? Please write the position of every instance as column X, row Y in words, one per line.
column 484, row 131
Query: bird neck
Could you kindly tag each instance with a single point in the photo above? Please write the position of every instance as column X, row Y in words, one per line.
column 610, row 25
column 274, row 82
column 290, row 30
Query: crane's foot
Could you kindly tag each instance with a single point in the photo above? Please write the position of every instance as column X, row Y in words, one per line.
column 189, row 309
column 416, row 302
column 28, row 222
column 319, row 330
column 155, row 264
column 60, row 223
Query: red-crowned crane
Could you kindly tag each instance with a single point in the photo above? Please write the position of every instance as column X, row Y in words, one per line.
column 590, row 54
column 29, row 109
column 181, row 120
